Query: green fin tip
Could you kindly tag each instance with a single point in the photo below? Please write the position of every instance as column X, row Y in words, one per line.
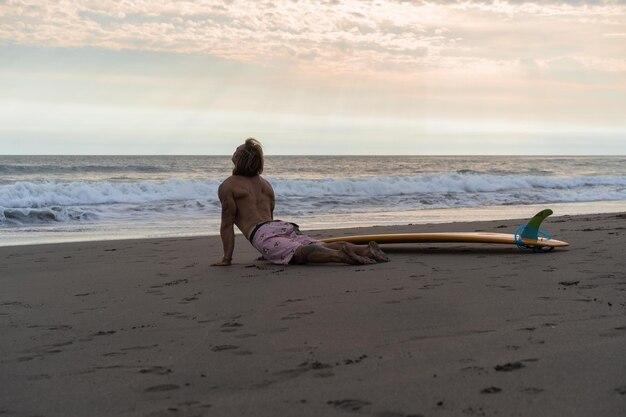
column 531, row 230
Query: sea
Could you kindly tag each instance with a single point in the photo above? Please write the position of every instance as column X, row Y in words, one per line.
column 49, row 199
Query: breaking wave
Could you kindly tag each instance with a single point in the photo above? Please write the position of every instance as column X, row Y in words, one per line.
column 35, row 202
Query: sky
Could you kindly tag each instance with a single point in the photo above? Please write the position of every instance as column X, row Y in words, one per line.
column 313, row 77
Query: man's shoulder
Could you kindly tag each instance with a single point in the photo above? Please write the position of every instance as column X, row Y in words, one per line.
column 243, row 178
column 266, row 182
column 234, row 181
column 227, row 185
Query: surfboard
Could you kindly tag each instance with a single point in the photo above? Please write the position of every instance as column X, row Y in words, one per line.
column 528, row 236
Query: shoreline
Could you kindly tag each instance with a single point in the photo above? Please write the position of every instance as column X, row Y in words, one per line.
column 147, row 328
column 387, row 219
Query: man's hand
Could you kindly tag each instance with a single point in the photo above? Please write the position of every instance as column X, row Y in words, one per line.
column 223, row 262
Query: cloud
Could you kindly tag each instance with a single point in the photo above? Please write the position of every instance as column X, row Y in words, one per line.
column 529, row 66
column 336, row 36
column 539, row 2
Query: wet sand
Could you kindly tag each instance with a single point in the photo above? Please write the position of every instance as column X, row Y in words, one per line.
column 148, row 328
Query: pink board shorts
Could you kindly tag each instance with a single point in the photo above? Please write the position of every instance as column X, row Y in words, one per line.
column 278, row 240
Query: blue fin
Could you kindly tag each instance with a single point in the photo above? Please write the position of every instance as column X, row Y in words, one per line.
column 531, row 230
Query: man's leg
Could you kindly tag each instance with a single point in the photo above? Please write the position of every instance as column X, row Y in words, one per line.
column 323, row 254
column 371, row 251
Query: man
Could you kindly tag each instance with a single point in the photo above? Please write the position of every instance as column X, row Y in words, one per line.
column 248, row 202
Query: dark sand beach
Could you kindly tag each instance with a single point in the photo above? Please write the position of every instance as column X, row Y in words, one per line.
column 148, row 328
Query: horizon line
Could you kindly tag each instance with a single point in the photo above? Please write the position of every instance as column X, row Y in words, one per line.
column 318, row 155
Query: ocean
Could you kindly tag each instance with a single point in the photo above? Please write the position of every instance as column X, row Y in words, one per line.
column 45, row 199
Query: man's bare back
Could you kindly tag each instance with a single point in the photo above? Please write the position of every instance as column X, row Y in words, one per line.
column 247, row 201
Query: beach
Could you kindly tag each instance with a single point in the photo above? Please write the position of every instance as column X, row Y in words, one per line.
column 147, row 328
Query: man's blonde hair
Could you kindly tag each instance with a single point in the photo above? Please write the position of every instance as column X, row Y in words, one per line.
column 249, row 159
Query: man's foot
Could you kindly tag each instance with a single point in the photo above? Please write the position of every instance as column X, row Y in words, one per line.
column 353, row 259
column 377, row 252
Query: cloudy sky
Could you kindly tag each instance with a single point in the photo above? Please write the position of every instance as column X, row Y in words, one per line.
column 313, row 77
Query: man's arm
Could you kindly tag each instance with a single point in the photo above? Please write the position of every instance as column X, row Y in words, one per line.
column 227, row 228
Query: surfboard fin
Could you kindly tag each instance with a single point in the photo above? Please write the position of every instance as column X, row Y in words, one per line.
column 531, row 230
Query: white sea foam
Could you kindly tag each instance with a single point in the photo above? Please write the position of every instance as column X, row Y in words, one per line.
column 46, row 193
column 25, row 202
column 436, row 183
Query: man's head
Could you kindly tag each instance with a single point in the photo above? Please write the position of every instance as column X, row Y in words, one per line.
column 248, row 158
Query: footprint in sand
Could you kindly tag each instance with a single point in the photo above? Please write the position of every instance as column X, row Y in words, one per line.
column 177, row 282
column 186, row 300
column 490, row 390
column 290, row 300
column 175, row 314
column 104, row 333
column 84, row 294
column 297, row 315
column 353, row 361
column 160, row 388
column 306, row 366
column 139, row 347
column 16, row 303
column 230, row 324
column 157, row 370
column 220, row 348
column 348, row 404
column 568, row 283
column 511, row 366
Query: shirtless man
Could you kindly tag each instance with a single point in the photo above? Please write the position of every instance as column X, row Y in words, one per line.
column 248, row 202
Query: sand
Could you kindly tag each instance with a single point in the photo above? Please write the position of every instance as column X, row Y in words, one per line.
column 148, row 328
